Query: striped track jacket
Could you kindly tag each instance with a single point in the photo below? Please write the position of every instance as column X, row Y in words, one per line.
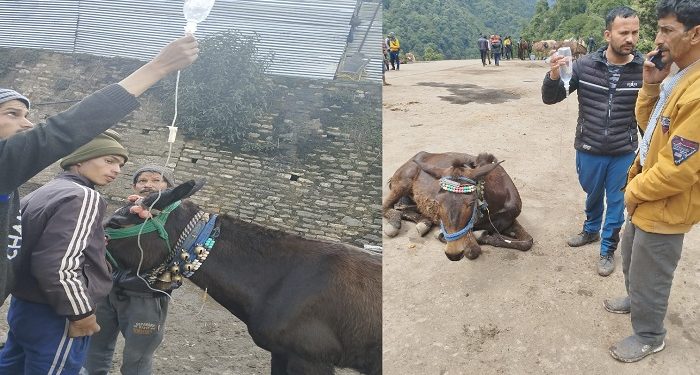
column 62, row 259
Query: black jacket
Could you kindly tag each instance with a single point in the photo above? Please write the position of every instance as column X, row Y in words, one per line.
column 606, row 123
column 62, row 260
column 25, row 154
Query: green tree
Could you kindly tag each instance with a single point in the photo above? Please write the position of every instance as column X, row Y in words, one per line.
column 225, row 92
column 647, row 20
column 431, row 53
column 579, row 18
column 450, row 28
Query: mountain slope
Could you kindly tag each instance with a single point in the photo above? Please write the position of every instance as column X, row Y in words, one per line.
column 434, row 29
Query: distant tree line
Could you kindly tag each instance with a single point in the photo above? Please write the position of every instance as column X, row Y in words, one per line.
column 449, row 29
column 583, row 18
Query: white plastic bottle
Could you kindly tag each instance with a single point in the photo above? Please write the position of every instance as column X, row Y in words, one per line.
column 565, row 71
column 196, row 11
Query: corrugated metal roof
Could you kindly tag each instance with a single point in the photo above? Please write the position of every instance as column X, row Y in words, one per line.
column 307, row 36
column 38, row 24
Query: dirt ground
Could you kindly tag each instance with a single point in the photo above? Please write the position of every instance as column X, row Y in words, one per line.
column 509, row 312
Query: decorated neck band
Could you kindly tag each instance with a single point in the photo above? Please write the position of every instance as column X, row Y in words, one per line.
column 466, row 187
column 192, row 257
column 164, row 272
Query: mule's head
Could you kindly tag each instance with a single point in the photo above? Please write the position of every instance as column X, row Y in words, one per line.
column 123, row 226
column 457, row 205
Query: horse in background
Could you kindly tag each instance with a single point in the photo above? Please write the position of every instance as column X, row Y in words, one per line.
column 578, row 48
column 543, row 48
column 524, row 49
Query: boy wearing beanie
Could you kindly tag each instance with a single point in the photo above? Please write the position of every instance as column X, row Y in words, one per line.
column 61, row 269
column 131, row 307
column 26, row 149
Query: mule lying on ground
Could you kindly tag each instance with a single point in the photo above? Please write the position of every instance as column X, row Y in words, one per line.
column 461, row 193
column 312, row 304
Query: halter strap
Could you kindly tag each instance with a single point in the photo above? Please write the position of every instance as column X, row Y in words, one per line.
column 449, row 237
column 155, row 224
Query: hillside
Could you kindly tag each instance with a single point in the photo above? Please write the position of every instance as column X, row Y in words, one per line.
column 449, row 29
column 574, row 18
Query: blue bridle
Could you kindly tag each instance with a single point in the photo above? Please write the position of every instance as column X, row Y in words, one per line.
column 449, row 237
column 447, row 183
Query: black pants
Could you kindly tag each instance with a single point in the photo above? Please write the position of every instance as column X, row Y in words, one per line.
column 484, row 55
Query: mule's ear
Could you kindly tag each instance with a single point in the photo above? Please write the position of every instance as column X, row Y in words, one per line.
column 433, row 171
column 172, row 195
column 482, row 170
column 121, row 218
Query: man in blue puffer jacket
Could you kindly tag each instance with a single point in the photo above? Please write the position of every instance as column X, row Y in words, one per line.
column 608, row 82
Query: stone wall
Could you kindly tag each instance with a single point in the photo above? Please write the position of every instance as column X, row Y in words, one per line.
column 322, row 181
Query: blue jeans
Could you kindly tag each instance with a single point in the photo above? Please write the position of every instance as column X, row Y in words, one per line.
column 38, row 342
column 602, row 178
column 394, row 59
column 496, row 58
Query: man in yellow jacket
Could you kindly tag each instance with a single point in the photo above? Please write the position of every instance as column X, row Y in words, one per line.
column 394, row 46
column 662, row 196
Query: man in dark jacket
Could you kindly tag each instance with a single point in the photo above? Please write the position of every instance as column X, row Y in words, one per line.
column 483, row 44
column 132, row 307
column 608, row 82
column 591, row 44
column 61, row 269
column 25, row 150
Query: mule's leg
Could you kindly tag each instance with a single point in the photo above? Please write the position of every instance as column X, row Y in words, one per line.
column 474, row 249
column 423, row 224
column 392, row 215
column 524, row 238
column 513, row 237
column 373, row 365
column 299, row 366
column 278, row 364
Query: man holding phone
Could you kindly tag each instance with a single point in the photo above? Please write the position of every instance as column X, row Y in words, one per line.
column 662, row 193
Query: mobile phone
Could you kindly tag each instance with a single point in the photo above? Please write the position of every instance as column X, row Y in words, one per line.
column 656, row 59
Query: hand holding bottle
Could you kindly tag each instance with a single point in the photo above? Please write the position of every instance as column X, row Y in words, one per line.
column 555, row 61
column 565, row 66
column 178, row 54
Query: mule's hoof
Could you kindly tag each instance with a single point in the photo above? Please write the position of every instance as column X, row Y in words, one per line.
column 440, row 237
column 423, row 228
column 471, row 255
column 527, row 246
column 390, row 230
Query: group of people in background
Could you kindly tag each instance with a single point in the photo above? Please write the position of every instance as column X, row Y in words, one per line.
column 495, row 46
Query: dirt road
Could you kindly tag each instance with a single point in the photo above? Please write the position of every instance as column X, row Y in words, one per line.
column 509, row 312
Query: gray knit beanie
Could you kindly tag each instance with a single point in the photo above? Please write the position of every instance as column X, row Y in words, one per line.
column 165, row 172
column 6, row 95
